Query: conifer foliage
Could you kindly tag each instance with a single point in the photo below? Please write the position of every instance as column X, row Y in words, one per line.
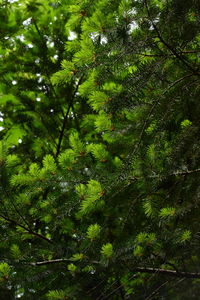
column 99, row 149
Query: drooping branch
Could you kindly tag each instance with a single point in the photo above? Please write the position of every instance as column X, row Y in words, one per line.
column 12, row 202
column 28, row 230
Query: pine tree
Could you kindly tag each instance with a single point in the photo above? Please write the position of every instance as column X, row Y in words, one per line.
column 99, row 150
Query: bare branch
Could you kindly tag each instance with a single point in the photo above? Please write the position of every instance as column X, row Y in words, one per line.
column 49, row 262
column 167, row 272
column 55, row 261
column 172, row 273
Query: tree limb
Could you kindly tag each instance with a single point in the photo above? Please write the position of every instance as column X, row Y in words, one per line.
column 65, row 118
column 30, row 231
column 55, row 261
column 172, row 50
column 167, row 272
column 172, row 273
column 49, row 262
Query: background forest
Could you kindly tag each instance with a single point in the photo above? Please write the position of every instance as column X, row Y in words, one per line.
column 99, row 149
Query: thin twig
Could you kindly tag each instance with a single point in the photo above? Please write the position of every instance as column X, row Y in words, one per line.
column 157, row 290
column 55, row 261
column 165, row 55
column 49, row 262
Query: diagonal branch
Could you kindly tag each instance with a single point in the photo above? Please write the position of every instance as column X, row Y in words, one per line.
column 168, row 46
column 30, row 231
column 157, row 290
column 12, row 201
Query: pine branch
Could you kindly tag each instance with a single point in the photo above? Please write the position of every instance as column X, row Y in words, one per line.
column 132, row 153
column 65, row 118
column 137, row 269
column 63, row 128
column 167, row 272
column 12, row 201
column 30, row 231
column 166, row 55
column 176, row 173
column 168, row 46
column 185, row 172
column 45, row 58
column 49, row 262
column 55, row 261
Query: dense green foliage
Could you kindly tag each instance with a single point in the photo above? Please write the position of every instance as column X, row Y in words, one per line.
column 99, row 149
